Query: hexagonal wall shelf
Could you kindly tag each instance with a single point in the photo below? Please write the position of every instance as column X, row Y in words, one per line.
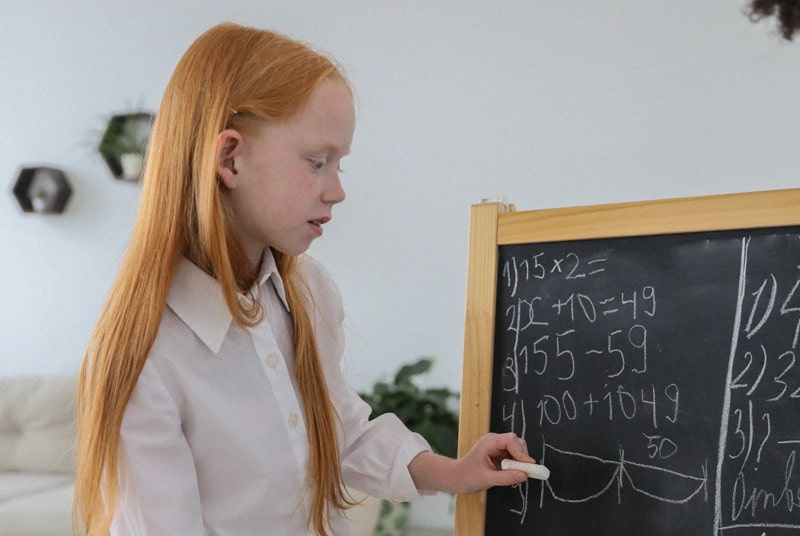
column 42, row 189
column 124, row 143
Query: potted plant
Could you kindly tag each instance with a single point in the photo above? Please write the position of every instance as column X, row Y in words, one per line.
column 431, row 412
column 39, row 200
column 124, row 142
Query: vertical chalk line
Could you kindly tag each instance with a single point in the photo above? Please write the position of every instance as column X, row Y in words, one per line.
column 726, row 403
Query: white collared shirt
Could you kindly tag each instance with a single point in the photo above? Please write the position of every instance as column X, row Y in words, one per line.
column 213, row 440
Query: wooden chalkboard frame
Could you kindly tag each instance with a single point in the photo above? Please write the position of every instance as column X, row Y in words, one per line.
column 493, row 224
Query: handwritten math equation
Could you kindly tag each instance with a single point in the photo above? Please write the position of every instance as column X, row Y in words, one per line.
column 761, row 428
column 560, row 354
column 595, row 347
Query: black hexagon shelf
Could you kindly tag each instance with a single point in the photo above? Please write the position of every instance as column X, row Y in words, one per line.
column 124, row 143
column 42, row 189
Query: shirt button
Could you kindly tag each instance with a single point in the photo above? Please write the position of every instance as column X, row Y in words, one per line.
column 271, row 359
column 294, row 418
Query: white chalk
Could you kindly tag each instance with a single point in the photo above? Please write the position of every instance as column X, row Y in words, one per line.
column 534, row 470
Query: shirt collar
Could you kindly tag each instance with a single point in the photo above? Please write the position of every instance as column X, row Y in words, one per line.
column 197, row 298
column 269, row 271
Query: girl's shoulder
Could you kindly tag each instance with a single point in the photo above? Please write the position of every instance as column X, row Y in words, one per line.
column 323, row 290
column 315, row 273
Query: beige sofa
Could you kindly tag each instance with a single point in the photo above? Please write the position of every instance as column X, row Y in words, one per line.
column 36, row 460
column 36, row 448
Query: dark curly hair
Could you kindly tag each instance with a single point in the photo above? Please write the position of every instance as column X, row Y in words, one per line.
column 788, row 14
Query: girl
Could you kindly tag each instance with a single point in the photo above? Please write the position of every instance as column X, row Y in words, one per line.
column 210, row 399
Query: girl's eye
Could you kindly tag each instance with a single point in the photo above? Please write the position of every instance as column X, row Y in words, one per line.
column 317, row 165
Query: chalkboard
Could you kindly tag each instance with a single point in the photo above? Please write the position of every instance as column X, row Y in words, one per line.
column 655, row 371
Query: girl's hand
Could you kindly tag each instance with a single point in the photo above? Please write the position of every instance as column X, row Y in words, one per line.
column 477, row 470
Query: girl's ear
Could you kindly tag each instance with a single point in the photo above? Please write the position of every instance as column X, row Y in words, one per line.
column 229, row 144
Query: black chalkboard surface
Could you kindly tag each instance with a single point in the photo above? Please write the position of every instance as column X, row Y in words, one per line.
column 657, row 378
column 648, row 353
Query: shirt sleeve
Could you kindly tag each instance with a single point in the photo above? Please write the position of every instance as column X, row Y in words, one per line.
column 158, row 492
column 375, row 453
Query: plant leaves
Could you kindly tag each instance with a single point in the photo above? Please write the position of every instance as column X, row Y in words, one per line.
column 432, row 413
column 406, row 372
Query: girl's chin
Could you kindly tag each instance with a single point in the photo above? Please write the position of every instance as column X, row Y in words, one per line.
column 292, row 249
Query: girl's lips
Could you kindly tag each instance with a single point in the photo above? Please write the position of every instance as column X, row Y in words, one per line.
column 316, row 228
column 316, row 225
column 320, row 221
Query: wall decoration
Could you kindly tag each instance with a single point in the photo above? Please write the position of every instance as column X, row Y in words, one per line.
column 42, row 189
column 124, row 144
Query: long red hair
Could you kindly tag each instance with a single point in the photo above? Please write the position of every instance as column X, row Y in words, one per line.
column 229, row 73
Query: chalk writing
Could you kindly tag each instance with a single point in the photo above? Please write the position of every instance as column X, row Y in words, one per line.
column 632, row 368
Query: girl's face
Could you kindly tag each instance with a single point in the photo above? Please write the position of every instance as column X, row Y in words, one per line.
column 283, row 176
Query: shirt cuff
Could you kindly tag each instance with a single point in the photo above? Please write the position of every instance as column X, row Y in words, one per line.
column 403, row 486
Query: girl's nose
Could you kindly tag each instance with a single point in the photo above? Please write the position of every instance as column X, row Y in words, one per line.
column 334, row 192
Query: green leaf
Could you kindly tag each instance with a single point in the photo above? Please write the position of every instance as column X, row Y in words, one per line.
column 406, row 372
column 430, row 412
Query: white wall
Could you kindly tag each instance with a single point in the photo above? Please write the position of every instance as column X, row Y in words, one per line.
column 546, row 103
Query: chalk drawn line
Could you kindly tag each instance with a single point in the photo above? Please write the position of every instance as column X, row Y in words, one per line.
column 621, row 478
column 726, row 401
column 787, row 526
